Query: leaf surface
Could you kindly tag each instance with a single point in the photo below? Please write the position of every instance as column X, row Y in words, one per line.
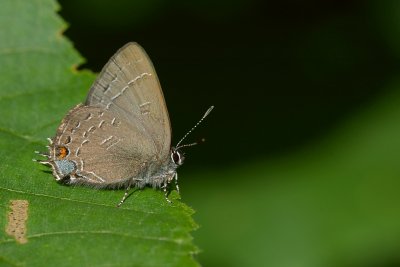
column 65, row 225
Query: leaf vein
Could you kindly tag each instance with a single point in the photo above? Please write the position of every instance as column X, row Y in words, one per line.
column 100, row 232
column 72, row 200
column 27, row 50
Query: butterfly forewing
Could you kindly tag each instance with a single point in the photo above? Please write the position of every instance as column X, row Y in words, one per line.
column 128, row 86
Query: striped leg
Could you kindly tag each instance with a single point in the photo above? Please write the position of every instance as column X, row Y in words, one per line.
column 164, row 187
column 124, row 197
column 176, row 182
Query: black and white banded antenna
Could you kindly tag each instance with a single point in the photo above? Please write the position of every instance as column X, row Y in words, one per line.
column 191, row 130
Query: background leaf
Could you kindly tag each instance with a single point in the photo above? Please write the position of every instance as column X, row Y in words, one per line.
column 68, row 226
column 333, row 203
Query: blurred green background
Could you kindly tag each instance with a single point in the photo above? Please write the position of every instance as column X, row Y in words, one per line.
column 301, row 162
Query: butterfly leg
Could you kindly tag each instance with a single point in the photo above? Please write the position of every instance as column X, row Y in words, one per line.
column 125, row 196
column 166, row 192
column 176, row 183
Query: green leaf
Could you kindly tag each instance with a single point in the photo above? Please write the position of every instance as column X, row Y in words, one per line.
column 67, row 226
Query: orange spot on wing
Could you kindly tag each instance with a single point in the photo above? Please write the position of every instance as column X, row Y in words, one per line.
column 62, row 152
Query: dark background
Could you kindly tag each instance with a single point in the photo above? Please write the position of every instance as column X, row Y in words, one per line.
column 281, row 74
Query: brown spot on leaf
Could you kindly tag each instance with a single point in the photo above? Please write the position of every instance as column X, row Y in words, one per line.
column 17, row 217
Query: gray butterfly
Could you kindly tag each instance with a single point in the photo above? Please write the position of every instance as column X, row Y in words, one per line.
column 121, row 136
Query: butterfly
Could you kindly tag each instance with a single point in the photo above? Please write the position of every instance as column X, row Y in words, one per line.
column 121, row 136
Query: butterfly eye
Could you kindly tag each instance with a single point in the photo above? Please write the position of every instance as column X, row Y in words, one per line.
column 176, row 157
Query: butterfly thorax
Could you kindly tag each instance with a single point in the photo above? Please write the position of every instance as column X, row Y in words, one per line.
column 155, row 175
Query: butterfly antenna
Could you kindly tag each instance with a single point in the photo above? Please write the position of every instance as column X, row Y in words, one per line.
column 192, row 144
column 194, row 127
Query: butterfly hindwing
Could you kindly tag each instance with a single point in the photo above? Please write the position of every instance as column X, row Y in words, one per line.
column 96, row 143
